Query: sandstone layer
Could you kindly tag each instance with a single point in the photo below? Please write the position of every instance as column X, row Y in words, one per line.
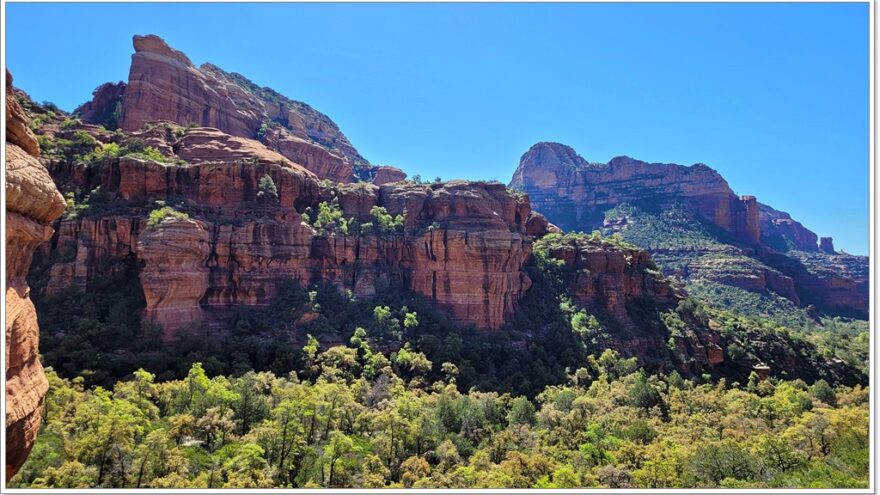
column 462, row 244
column 32, row 202
column 164, row 85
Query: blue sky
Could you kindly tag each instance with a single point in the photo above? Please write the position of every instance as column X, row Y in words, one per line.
column 774, row 96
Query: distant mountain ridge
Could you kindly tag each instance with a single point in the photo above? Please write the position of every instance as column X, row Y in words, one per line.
column 764, row 249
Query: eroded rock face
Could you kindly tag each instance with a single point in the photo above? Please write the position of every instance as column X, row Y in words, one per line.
column 758, row 248
column 174, row 277
column 32, row 202
column 105, row 107
column 463, row 244
column 609, row 276
column 622, row 282
column 386, row 174
column 574, row 193
column 164, row 85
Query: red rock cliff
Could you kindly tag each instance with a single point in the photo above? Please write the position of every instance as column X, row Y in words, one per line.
column 463, row 244
column 164, row 85
column 32, row 202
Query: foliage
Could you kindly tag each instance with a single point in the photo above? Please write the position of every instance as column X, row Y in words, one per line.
column 267, row 190
column 159, row 215
column 342, row 429
column 386, row 223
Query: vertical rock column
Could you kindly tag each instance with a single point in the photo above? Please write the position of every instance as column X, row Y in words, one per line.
column 32, row 202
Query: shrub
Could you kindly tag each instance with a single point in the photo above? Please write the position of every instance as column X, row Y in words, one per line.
column 105, row 152
column 264, row 128
column 70, row 124
column 267, row 190
column 386, row 223
column 158, row 216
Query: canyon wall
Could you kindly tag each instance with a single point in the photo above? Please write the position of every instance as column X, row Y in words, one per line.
column 32, row 202
column 462, row 244
column 746, row 244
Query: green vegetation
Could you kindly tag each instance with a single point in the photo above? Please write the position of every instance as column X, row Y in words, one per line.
column 79, row 146
column 267, row 190
column 261, row 132
column 70, row 123
column 159, row 215
column 341, row 426
column 387, row 223
column 330, row 219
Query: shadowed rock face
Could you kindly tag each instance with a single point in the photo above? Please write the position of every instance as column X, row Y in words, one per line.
column 32, row 202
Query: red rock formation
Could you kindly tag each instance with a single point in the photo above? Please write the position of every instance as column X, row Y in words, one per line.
column 105, row 107
column 778, row 230
column 164, row 85
column 826, row 245
column 574, row 193
column 463, row 246
column 609, row 275
column 621, row 282
column 32, row 201
column 175, row 275
column 386, row 174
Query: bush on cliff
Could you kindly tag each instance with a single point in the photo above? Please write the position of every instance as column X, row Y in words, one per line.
column 266, row 190
column 159, row 215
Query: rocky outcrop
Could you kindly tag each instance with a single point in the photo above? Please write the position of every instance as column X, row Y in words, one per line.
column 164, row 85
column 385, row 174
column 694, row 225
column 105, row 107
column 833, row 283
column 623, row 283
column 32, row 202
column 574, row 193
column 826, row 245
column 781, row 232
column 609, row 275
column 463, row 245
column 175, row 275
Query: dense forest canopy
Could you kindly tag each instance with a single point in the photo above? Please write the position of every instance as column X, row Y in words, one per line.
column 357, row 418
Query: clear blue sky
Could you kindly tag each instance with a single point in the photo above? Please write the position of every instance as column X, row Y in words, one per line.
column 774, row 96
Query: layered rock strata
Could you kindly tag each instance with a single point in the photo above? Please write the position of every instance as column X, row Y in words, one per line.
column 32, row 202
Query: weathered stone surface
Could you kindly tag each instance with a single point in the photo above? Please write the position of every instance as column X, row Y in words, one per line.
column 621, row 282
column 386, row 174
column 463, row 246
column 174, row 276
column 17, row 130
column 609, row 276
column 781, row 232
column 32, row 201
column 164, row 85
column 826, row 245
